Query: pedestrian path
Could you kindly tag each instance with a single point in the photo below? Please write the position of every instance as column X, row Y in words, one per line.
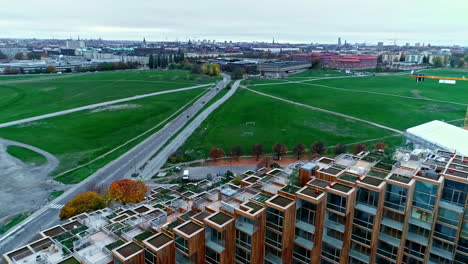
column 57, row 206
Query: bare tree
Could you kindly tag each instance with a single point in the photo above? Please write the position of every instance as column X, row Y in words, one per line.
column 280, row 149
column 339, row 149
column 318, row 147
column 264, row 162
column 299, row 150
column 359, row 147
column 236, row 152
column 258, row 150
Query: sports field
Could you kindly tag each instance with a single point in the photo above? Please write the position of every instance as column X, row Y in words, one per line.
column 80, row 137
column 36, row 95
column 392, row 100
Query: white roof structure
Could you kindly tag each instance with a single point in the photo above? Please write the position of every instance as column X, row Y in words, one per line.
column 446, row 136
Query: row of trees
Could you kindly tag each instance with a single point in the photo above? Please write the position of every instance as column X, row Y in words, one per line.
column 123, row 191
column 299, row 150
column 162, row 61
column 28, row 56
column 109, row 66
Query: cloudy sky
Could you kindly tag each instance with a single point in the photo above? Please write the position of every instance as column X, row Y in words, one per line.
column 296, row 21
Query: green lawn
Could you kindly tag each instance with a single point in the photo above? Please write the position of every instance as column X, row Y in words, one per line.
column 395, row 112
column 18, row 219
column 32, row 96
column 275, row 121
column 26, row 155
column 82, row 136
column 55, row 194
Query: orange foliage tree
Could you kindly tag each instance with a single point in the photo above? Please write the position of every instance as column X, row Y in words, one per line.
column 128, row 191
column 83, row 202
column 216, row 153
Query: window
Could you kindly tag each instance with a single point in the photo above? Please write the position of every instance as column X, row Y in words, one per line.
column 243, row 240
column 338, row 219
column 423, row 216
column 394, row 216
column 181, row 244
column 274, row 219
column 304, row 234
column 334, row 234
column 438, row 259
column 436, row 243
column 411, row 260
column 387, row 250
column 336, row 202
column 463, row 245
column 390, row 231
column 211, row 256
column 425, row 195
column 272, row 255
column 331, row 252
column 415, row 249
column 361, row 235
column 460, row 259
column 273, row 239
column 395, row 197
column 448, row 216
column 306, row 212
column 381, row 260
column 363, row 219
column 242, row 256
column 368, row 197
column 445, row 232
column 215, row 236
column 419, row 231
column 150, row 257
column 301, row 254
column 454, row 192
column 360, row 248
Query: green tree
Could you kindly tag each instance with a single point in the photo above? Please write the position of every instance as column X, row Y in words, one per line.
column 19, row 56
column 299, row 150
column 437, row 61
column 318, row 147
column 34, row 56
column 3, row 56
column 279, row 149
column 151, row 61
column 339, row 149
column 461, row 62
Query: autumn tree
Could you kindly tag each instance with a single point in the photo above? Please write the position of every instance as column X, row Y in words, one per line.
column 339, row 149
column 279, row 149
column 83, row 202
column 299, row 150
column 236, row 152
column 359, row 147
column 216, row 153
column 380, row 146
column 318, row 147
column 34, row 55
column 128, row 191
column 264, row 162
column 51, row 69
column 258, row 150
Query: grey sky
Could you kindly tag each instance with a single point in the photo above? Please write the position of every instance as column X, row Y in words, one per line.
column 305, row 21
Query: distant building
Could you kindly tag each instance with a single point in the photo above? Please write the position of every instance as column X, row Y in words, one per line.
column 414, row 58
column 380, row 44
column 280, row 69
column 11, row 52
column 75, row 44
column 339, row 42
column 337, row 61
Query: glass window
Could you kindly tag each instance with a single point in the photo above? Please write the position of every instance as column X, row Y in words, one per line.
column 381, row 260
column 395, row 197
column 211, row 256
column 336, row 202
column 242, row 256
column 304, row 234
column 394, row 216
column 387, row 250
column 243, row 240
column 331, row 252
column 181, row 244
column 438, row 259
column 390, row 231
column 360, row 248
column 463, row 245
column 415, row 249
column 448, row 216
column 215, row 236
column 454, row 192
column 418, row 230
column 361, row 235
column 425, row 195
column 150, row 257
column 301, row 254
column 306, row 212
column 445, row 232
column 273, row 239
column 338, row 219
column 460, row 259
column 274, row 219
column 363, row 219
column 368, row 197
column 334, row 233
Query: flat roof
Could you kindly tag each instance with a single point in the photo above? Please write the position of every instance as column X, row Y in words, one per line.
column 281, row 201
column 372, row 181
column 254, row 206
column 318, row 182
column 311, row 192
column 189, row 228
column 129, row 249
column 220, row 218
column 444, row 135
column 159, row 240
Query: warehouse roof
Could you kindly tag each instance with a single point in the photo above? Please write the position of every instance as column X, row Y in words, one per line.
column 444, row 135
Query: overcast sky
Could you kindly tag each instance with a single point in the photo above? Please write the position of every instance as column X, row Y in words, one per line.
column 295, row 21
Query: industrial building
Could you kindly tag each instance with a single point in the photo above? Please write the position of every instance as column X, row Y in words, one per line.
column 282, row 69
column 364, row 208
column 337, row 61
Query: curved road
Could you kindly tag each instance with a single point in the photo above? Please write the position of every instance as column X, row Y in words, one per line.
column 120, row 168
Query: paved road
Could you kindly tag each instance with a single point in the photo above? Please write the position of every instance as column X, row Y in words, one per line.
column 87, row 107
column 158, row 161
column 120, row 168
column 326, row 111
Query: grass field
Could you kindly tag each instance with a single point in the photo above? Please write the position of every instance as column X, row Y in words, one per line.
column 26, row 155
column 82, row 136
column 18, row 219
column 396, row 101
column 272, row 121
column 35, row 95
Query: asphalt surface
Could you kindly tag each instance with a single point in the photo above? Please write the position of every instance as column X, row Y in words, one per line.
column 120, row 168
column 92, row 106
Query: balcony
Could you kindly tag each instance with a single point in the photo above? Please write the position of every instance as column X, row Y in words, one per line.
column 358, row 255
column 366, row 208
column 390, row 239
column 417, row 238
column 246, row 227
column 304, row 242
column 392, row 223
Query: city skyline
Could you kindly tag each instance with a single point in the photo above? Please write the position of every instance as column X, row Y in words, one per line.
column 361, row 21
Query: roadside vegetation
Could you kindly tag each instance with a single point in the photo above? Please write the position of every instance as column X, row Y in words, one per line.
column 26, row 155
column 18, row 219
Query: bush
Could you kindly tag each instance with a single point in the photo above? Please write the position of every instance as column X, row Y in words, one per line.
column 83, row 202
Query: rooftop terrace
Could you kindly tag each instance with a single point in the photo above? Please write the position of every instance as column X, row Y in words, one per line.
column 189, row 228
column 129, row 249
column 281, row 201
column 311, row 192
column 159, row 240
column 220, row 218
column 340, row 187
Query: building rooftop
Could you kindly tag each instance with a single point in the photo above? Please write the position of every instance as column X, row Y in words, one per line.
column 311, row 192
column 254, row 206
column 281, row 201
column 128, row 249
column 220, row 218
column 159, row 240
column 189, row 228
column 318, row 183
column 340, row 187
column 372, row 181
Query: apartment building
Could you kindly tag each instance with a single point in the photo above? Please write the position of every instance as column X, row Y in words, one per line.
column 409, row 207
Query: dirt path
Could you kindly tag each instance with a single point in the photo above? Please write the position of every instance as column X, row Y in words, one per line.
column 24, row 187
column 326, row 111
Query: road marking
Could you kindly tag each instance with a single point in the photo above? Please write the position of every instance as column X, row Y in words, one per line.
column 57, row 206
